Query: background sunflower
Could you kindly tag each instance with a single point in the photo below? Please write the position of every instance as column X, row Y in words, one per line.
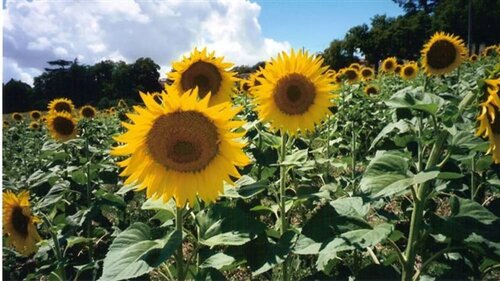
column 61, row 125
column 295, row 93
column 442, row 54
column 205, row 71
column 61, row 105
column 88, row 111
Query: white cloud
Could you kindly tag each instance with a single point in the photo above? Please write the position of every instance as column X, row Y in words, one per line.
column 12, row 70
column 38, row 31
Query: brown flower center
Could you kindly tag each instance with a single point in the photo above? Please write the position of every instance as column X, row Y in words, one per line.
column 294, row 94
column 63, row 126
column 351, row 74
column 35, row 115
column 88, row 112
column 397, row 69
column 203, row 75
column 366, row 73
column 62, row 106
column 18, row 117
column 371, row 90
column 441, row 54
column 388, row 65
column 34, row 126
column 184, row 141
column 20, row 221
column 408, row 71
column 495, row 125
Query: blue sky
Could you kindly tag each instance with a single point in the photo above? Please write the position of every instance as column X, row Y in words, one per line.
column 314, row 24
column 243, row 31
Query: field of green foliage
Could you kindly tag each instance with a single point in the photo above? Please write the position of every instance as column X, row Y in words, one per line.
column 400, row 181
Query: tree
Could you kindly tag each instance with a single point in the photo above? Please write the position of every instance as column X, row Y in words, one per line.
column 337, row 55
column 146, row 75
column 17, row 96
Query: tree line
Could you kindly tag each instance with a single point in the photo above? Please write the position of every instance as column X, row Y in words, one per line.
column 403, row 36
column 99, row 85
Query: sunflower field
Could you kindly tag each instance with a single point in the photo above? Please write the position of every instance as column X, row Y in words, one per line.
column 296, row 172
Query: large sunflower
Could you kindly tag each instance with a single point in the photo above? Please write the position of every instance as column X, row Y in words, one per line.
column 207, row 72
column 182, row 147
column 389, row 64
column 409, row 71
column 88, row 111
column 295, row 93
column 61, row 105
column 61, row 125
column 17, row 116
column 19, row 223
column 35, row 115
column 443, row 53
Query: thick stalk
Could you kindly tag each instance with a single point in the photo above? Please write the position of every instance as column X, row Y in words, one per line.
column 89, row 222
column 283, row 221
column 179, row 256
column 353, row 161
column 57, row 250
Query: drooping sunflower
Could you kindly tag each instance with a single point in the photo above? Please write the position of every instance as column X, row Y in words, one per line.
column 473, row 58
column 61, row 125
column 34, row 125
column 351, row 75
column 371, row 90
column 367, row 73
column 61, row 105
column 35, row 115
column 88, row 111
column 17, row 116
column 443, row 53
column 409, row 71
column 490, row 51
column 207, row 72
column 389, row 64
column 19, row 223
column 182, row 148
column 295, row 92
column 492, row 88
column 489, row 127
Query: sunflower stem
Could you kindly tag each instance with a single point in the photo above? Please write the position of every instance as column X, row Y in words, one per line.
column 283, row 221
column 57, row 249
column 179, row 257
column 353, row 160
column 89, row 222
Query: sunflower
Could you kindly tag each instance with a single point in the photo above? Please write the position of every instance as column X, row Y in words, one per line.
column 182, row 147
column 442, row 53
column 397, row 69
column 473, row 58
column 6, row 124
column 367, row 73
column 61, row 125
column 35, row 114
column 489, row 127
column 371, row 90
column 489, row 51
column 17, row 116
column 205, row 71
column 112, row 110
column 351, row 75
column 254, row 79
column 492, row 87
column 409, row 71
column 244, row 85
column 389, row 64
column 34, row 125
column 295, row 92
column 355, row 65
column 60, row 105
column 122, row 103
column 88, row 111
column 19, row 223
